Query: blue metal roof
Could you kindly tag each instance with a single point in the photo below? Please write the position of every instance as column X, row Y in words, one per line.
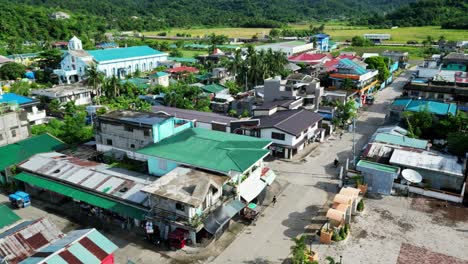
column 322, row 36
column 123, row 53
column 11, row 97
column 351, row 65
column 434, row 107
column 159, row 74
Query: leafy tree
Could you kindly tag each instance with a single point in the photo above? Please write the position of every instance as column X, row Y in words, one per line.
column 75, row 129
column 274, row 33
column 50, row 59
column 348, row 84
column 380, row 64
column 233, row 87
column 345, row 112
column 359, row 41
column 12, row 71
column 20, row 88
column 418, row 122
column 457, row 143
column 176, row 53
column 54, row 106
column 299, row 251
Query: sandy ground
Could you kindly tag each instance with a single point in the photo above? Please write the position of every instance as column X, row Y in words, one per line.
column 398, row 229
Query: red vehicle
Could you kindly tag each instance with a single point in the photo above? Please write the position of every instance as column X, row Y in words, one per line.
column 178, row 238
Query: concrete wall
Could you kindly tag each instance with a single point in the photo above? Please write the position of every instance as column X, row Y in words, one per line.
column 121, row 138
column 168, row 128
column 160, row 167
column 130, row 154
column 14, row 126
column 131, row 65
column 274, row 91
column 289, row 140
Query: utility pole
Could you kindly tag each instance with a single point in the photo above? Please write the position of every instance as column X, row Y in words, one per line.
column 354, row 141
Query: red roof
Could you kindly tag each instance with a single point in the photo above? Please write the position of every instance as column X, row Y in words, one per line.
column 308, row 57
column 351, row 57
column 183, row 69
column 330, row 65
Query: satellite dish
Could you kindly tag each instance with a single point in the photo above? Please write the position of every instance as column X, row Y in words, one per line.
column 411, row 176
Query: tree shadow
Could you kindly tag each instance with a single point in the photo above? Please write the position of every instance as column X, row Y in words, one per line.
column 297, row 221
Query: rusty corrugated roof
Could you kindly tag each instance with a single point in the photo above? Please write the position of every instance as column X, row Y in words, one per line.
column 22, row 240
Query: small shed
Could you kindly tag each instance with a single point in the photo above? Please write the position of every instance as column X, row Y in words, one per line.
column 379, row 177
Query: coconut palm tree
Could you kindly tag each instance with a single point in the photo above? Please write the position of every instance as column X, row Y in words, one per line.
column 95, row 78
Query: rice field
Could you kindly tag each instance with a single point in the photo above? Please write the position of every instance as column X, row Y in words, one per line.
column 337, row 31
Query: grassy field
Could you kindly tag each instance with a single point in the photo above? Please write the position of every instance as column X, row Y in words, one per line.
column 415, row 53
column 337, row 31
column 193, row 53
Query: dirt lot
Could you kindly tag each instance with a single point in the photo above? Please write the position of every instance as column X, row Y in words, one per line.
column 404, row 230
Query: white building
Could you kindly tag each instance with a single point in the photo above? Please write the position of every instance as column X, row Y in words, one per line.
column 289, row 48
column 117, row 61
column 65, row 93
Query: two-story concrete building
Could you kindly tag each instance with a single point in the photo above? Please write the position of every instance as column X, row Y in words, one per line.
column 124, row 132
column 289, row 130
column 80, row 95
column 30, row 105
column 14, row 125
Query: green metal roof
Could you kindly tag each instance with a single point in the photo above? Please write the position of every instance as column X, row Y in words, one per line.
column 14, row 153
column 203, row 77
column 138, row 82
column 92, row 199
column 8, row 217
column 181, row 59
column 123, row 53
column 212, row 150
column 213, row 88
column 377, row 166
column 401, row 140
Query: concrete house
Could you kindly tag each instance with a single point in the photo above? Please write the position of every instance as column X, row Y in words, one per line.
column 196, row 165
column 159, row 78
column 205, row 120
column 288, row 48
column 322, row 42
column 34, row 115
column 81, row 95
column 124, row 132
column 14, row 125
column 289, row 130
column 298, row 90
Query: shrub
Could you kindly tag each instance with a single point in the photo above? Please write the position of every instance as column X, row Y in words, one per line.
column 360, row 206
column 336, row 236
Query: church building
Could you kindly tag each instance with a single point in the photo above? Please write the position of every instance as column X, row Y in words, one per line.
column 112, row 62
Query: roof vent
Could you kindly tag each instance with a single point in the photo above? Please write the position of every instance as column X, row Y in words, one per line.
column 56, row 171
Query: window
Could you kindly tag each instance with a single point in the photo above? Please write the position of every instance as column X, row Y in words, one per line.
column 132, row 146
column 128, row 129
column 180, row 207
column 13, row 133
column 109, row 142
column 146, row 133
column 163, row 164
column 1, row 137
column 278, row 136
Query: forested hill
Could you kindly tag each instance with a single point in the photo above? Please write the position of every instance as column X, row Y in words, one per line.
column 446, row 13
column 219, row 12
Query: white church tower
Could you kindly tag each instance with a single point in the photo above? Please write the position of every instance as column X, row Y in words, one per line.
column 75, row 44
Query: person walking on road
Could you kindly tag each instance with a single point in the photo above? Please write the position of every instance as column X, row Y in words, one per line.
column 341, row 135
column 274, row 200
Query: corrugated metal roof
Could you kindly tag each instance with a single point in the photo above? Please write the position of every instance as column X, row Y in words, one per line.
column 96, row 177
column 8, row 217
column 23, row 240
column 105, row 203
column 351, row 65
column 19, row 151
column 79, row 246
column 401, row 140
column 377, row 166
column 211, row 150
column 427, row 161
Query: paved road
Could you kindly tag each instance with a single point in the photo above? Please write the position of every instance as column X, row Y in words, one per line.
column 311, row 183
